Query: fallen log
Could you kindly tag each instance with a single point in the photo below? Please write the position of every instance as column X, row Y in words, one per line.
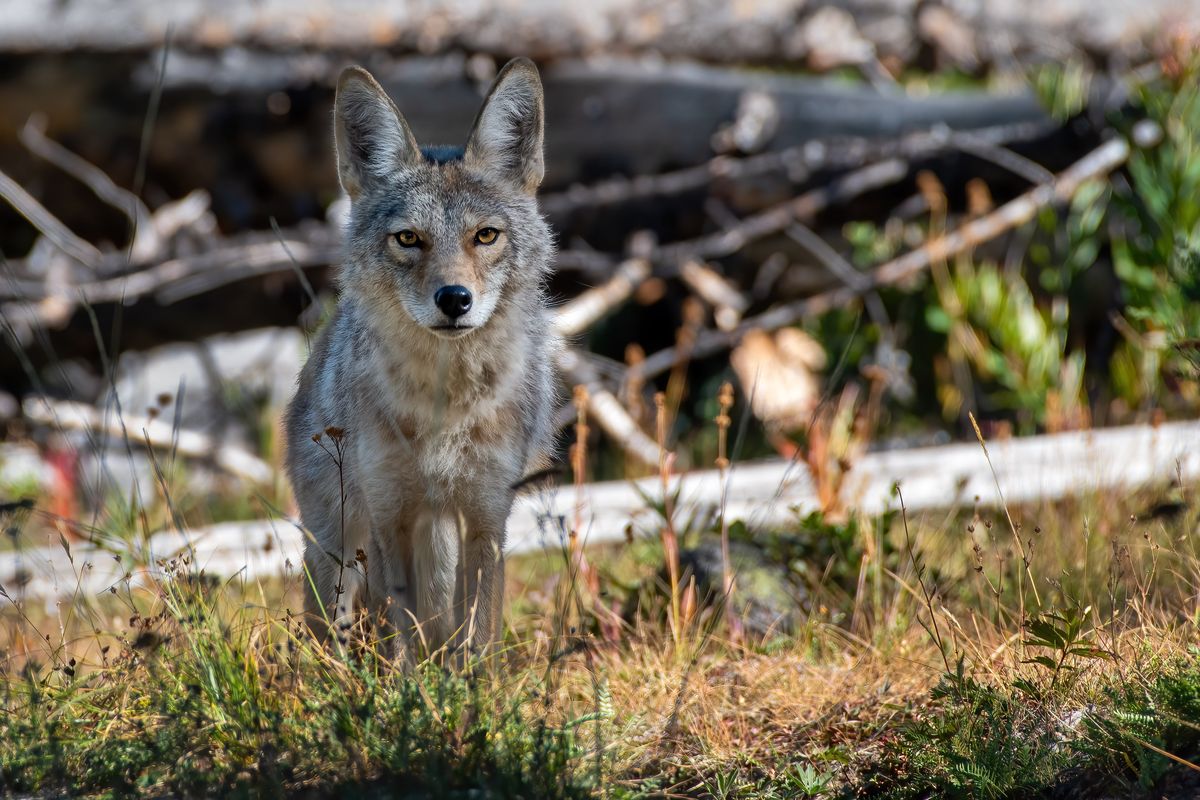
column 764, row 495
column 857, row 33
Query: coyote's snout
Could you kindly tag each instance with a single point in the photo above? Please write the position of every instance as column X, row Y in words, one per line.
column 434, row 369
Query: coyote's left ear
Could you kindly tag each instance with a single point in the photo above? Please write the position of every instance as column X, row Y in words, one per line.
column 507, row 138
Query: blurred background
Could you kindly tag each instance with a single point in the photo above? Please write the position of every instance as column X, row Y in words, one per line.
column 873, row 218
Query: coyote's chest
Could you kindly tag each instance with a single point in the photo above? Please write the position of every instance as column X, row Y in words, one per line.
column 446, row 425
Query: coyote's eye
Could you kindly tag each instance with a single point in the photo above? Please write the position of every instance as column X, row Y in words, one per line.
column 407, row 238
column 486, row 235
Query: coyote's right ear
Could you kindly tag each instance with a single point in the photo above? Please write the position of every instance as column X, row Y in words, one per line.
column 371, row 136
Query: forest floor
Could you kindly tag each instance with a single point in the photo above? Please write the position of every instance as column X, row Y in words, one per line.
column 1040, row 651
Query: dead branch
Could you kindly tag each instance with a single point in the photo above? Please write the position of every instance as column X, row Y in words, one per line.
column 49, row 225
column 715, row 289
column 1003, row 157
column 186, row 276
column 775, row 219
column 187, row 212
column 146, row 244
column 1095, row 164
column 581, row 313
column 607, row 411
column 182, row 277
column 831, row 259
column 798, row 162
column 72, row 416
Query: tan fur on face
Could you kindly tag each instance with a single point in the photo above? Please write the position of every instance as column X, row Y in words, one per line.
column 456, row 259
column 438, row 427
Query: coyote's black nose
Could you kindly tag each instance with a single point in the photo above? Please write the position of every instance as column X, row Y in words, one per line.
column 454, row 301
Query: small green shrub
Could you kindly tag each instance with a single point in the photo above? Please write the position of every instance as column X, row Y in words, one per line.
column 1141, row 720
column 975, row 741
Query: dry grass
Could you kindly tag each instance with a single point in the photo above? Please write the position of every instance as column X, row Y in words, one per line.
column 235, row 697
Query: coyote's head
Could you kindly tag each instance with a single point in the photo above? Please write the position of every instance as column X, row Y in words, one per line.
column 443, row 236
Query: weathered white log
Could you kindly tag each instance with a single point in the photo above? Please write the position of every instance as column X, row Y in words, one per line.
column 824, row 35
column 1033, row 469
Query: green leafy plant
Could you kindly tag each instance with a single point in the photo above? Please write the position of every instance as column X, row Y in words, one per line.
column 806, row 781
column 976, row 742
column 1157, row 248
column 1147, row 727
column 1062, row 634
column 724, row 784
column 1015, row 345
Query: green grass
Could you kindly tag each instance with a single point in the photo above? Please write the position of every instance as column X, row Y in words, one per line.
column 214, row 697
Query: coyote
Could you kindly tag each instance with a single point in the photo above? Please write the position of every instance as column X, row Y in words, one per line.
column 429, row 392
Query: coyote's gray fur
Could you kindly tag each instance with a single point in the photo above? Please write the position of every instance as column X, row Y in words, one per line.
column 434, row 371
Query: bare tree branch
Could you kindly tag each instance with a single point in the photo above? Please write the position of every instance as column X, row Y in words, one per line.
column 715, row 289
column 606, row 409
column 146, row 244
column 776, row 219
column 582, row 312
column 50, row 226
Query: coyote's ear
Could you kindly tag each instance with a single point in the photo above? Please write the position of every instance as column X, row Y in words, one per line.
column 507, row 138
column 371, row 136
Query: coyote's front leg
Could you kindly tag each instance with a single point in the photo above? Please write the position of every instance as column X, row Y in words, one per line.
column 388, row 586
column 480, row 586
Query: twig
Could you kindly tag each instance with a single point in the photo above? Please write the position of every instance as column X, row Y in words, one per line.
column 845, row 153
column 172, row 217
column 1018, row 211
column 1001, row 156
column 607, row 411
column 50, row 226
column 179, row 278
column 146, row 244
column 777, row 218
column 831, row 259
column 582, row 312
column 300, row 276
column 842, row 269
column 798, row 162
column 728, row 303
